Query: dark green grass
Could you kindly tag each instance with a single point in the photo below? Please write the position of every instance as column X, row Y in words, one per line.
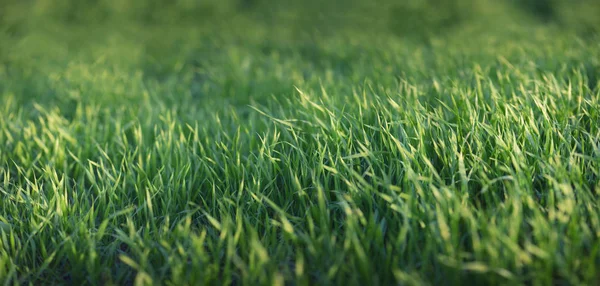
column 235, row 151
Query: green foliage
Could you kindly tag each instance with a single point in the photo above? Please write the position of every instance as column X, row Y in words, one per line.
column 297, row 144
column 430, row 16
column 580, row 16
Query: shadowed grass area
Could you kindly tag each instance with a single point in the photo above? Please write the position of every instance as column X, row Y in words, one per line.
column 261, row 142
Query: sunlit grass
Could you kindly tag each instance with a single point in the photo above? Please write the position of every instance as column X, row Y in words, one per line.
column 185, row 154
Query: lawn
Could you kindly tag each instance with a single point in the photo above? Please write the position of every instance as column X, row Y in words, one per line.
column 298, row 143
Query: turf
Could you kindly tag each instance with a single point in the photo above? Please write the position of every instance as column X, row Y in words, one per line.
column 254, row 143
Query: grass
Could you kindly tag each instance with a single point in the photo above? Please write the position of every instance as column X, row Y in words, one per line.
column 235, row 151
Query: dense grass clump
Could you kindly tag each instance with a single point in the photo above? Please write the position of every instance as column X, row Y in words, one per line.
column 268, row 143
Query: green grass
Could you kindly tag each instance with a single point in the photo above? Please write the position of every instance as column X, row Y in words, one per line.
column 256, row 148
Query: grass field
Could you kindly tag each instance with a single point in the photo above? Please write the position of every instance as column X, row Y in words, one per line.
column 274, row 142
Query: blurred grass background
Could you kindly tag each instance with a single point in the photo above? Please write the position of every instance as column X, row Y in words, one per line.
column 195, row 41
